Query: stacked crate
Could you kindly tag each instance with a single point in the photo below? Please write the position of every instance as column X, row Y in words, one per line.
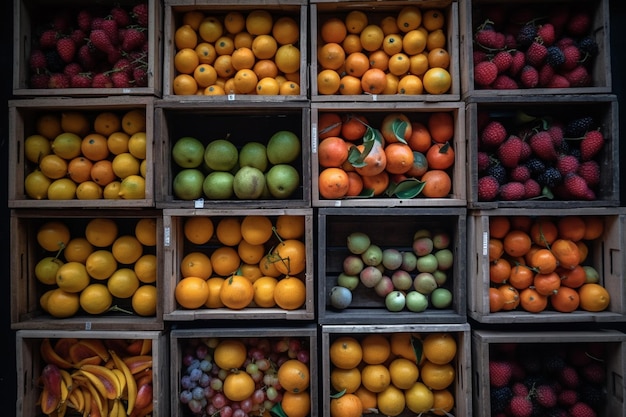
column 530, row 99
column 79, row 340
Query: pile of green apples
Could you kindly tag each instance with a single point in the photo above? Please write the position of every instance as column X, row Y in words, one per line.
column 406, row 279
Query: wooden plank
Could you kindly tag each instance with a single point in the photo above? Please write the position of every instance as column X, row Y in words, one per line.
column 375, row 114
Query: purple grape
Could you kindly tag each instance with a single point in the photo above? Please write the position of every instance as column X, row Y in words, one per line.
column 258, row 396
column 240, row 413
column 193, row 365
column 195, row 406
column 211, row 410
column 205, row 365
column 205, row 380
column 303, row 356
column 187, row 383
column 185, row 396
column 209, row 392
column 256, row 354
column 216, row 384
column 218, row 400
column 195, row 374
column 263, row 364
column 197, row 393
column 201, row 351
column 226, row 411
column 187, row 359
column 257, row 376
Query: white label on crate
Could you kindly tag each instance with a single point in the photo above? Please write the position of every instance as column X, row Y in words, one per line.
column 374, row 97
column 337, row 203
column 231, row 97
column 314, row 138
column 88, row 325
column 485, row 243
column 126, row 90
column 199, row 203
column 166, row 236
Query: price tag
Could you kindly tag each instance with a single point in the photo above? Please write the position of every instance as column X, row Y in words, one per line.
column 199, row 203
column 485, row 243
column 166, row 236
column 231, row 97
column 88, row 325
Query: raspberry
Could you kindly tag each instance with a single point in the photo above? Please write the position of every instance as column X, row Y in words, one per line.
column 485, row 73
column 536, row 54
column 504, row 82
column 512, row 191
column 487, row 188
column 578, row 77
column 503, row 61
column 529, row 77
column 493, row 134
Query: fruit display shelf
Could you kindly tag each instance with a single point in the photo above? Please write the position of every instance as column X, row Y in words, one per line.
column 292, row 12
column 55, row 54
column 29, row 282
column 578, row 31
column 395, row 230
column 401, row 339
column 604, row 256
column 587, row 365
column 577, row 166
column 42, row 120
column 240, row 124
column 178, row 246
column 410, row 192
column 40, row 351
column 374, row 14
column 273, row 344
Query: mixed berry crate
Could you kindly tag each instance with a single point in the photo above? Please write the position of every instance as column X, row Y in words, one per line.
column 28, row 289
column 585, row 369
column 239, row 124
column 565, row 48
column 177, row 246
column 388, row 228
column 55, row 53
column 603, row 255
column 376, row 13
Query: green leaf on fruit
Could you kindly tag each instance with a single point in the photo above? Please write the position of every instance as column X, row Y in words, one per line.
column 365, row 193
column 339, row 394
column 372, row 134
column 417, row 348
column 408, row 188
column 398, row 128
column 356, row 157
column 277, row 411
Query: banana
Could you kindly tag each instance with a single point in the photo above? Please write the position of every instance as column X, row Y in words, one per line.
column 117, row 409
column 65, row 392
column 108, row 379
column 50, row 356
column 87, row 399
column 76, row 399
column 52, row 392
column 131, row 384
column 95, row 383
column 122, row 378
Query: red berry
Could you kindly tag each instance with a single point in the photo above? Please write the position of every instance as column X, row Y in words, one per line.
column 485, row 73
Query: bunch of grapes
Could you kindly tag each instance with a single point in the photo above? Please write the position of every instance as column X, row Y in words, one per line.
column 202, row 380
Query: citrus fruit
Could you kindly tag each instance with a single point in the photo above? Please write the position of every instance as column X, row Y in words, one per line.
column 144, row 300
column 95, row 299
column 72, row 277
column 62, row 304
column 293, row 376
column 346, row 352
column 230, row 354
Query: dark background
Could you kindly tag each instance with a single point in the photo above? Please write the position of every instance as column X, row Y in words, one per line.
column 8, row 389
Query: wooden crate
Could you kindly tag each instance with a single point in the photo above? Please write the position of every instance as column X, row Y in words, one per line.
column 604, row 256
column 240, row 124
column 31, row 15
column 174, row 10
column 602, row 108
column 179, row 338
column 387, row 228
column 23, row 115
column 376, row 11
column 539, row 343
column 460, row 388
column 176, row 247
column 375, row 114
column 29, row 363
column 26, row 290
column 473, row 14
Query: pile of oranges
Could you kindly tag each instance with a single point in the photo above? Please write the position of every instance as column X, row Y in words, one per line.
column 408, row 151
column 538, row 263
column 382, row 372
column 400, row 53
column 92, row 270
column 237, row 53
column 79, row 155
column 243, row 261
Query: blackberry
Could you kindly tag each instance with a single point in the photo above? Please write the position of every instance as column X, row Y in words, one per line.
column 575, row 152
column 553, row 363
column 535, row 165
column 555, row 57
column 551, row 177
column 564, row 148
column 498, row 172
column 500, row 398
column 588, row 45
column 54, row 61
column 593, row 395
column 576, row 128
column 526, row 35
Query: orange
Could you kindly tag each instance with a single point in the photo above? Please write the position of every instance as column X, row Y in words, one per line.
column 517, row 243
column 296, row 404
column 79, row 169
column 379, row 59
column 345, row 352
column 333, row 30
column 145, row 231
column 333, row 183
column 420, row 139
column 215, row 286
column 510, row 295
column 402, row 345
column 246, row 81
column 433, row 19
column 414, row 42
column 565, row 299
column 236, row 292
column 332, row 152
column 267, row 267
column 95, row 299
column 375, row 378
column 89, row 190
column 205, row 75
column 353, row 126
column 228, row 231
column 53, row 166
column 250, row 271
column 144, row 300
column 198, row 229
column 224, row 66
column 77, row 250
column 441, row 126
column 409, row 18
column 499, row 270
column 206, row 53
column 392, row 44
column 210, row 29
column 439, row 348
column 435, row 39
column 193, row 18
column 571, row 227
column 496, row 249
column 440, row 156
column 499, row 226
column 238, row 386
column 352, row 43
column 268, row 86
column 75, row 122
column 345, row 379
column 259, row 22
column 107, row 123
column 543, row 232
column 243, row 40
column 264, row 291
column 117, row 142
column 410, row 85
column 196, row 264
column 419, row 64
column 374, row 81
column 243, row 58
column 566, row 252
column 356, row 21
column 355, row 184
column 127, row 249
column 543, row 261
column 72, row 277
column 249, row 253
column 372, row 37
column 376, row 348
column 287, row 58
column 392, row 84
column 437, row 81
column 348, row 405
column 439, row 58
column 186, row 60
column 225, row 260
column 146, row 268
column 572, row 278
column 256, row 229
column 53, row 236
column 547, row 284
column 378, row 183
column 331, row 56
column 290, row 256
column 185, row 37
column 532, row 301
column 62, row 304
column 436, row 376
column 594, row 297
column 48, row 125
column 391, row 401
column 123, row 283
column 293, row 376
column 230, row 354
column 521, row 277
column 403, row 372
column 438, row 184
column 214, row 90
column 234, row 22
column 350, row 85
column 399, row 64
column 389, row 25
column 594, row 227
column 368, row 399
column 286, row 30
column 443, row 402
column 496, row 300
column 185, row 84
column 101, row 232
column 290, row 293
column 265, row 68
column 290, row 226
column 225, row 45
